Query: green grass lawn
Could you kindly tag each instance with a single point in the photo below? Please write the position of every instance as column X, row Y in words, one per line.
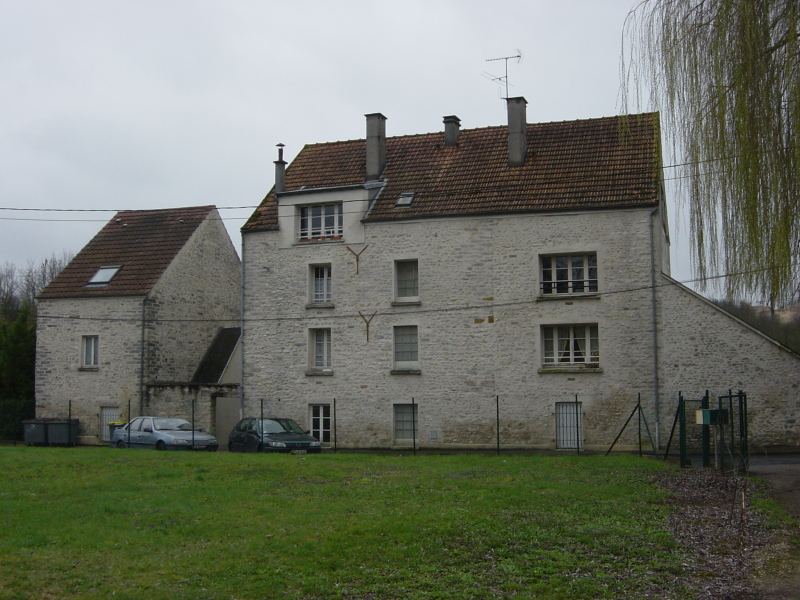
column 103, row 523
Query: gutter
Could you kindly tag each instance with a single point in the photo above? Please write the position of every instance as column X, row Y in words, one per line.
column 656, row 390
column 141, row 359
column 241, row 334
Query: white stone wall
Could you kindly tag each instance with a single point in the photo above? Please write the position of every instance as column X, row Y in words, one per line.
column 703, row 348
column 60, row 326
column 197, row 295
column 479, row 321
column 176, row 400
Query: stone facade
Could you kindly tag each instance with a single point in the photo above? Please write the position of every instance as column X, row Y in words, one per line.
column 187, row 400
column 157, row 337
column 60, row 376
column 703, row 348
column 479, row 317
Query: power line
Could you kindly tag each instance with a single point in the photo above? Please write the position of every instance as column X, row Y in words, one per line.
column 611, row 185
column 136, row 318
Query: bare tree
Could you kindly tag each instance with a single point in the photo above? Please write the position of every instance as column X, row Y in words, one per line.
column 9, row 297
column 34, row 277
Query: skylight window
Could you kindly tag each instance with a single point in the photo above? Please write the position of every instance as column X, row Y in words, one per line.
column 103, row 276
column 405, row 199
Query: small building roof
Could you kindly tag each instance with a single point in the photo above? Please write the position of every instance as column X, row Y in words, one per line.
column 217, row 356
column 128, row 256
column 610, row 162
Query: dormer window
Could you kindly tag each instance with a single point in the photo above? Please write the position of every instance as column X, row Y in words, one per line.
column 321, row 222
column 103, row 276
column 405, row 199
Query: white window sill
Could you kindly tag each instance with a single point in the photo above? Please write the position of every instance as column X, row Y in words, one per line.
column 320, row 305
column 85, row 368
column 570, row 368
column 586, row 296
column 405, row 372
column 319, row 373
column 401, row 302
column 309, row 242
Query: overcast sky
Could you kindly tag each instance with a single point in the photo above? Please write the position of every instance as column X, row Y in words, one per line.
column 112, row 104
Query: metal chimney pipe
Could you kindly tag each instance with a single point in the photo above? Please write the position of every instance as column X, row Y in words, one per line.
column 280, row 171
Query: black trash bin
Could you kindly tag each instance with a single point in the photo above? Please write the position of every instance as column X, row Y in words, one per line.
column 35, row 432
column 62, row 432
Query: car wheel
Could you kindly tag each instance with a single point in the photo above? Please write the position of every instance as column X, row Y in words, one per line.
column 120, row 444
column 161, row 445
column 260, row 448
column 230, row 447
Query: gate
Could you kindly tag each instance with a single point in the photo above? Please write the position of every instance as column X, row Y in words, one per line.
column 568, row 425
column 720, row 426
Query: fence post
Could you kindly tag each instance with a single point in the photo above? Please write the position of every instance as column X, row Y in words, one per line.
column 682, row 429
column 706, row 438
column 639, row 410
column 413, row 426
column 335, row 432
column 497, row 421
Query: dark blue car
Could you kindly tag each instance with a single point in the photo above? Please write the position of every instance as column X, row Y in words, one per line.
column 252, row 434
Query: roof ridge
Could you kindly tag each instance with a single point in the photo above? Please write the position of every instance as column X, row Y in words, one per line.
column 482, row 128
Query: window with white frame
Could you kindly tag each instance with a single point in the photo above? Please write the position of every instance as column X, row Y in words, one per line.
column 406, row 280
column 571, row 345
column 89, row 351
column 320, row 289
column 406, row 350
column 321, row 222
column 320, row 350
column 569, row 274
column 405, row 422
column 321, row 422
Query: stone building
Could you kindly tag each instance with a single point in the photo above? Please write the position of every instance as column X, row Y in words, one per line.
column 503, row 284
column 124, row 328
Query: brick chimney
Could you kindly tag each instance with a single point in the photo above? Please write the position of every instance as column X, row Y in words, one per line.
column 517, row 131
column 452, row 129
column 376, row 145
column 280, row 171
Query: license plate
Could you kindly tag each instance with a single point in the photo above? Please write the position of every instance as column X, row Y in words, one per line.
column 199, row 447
column 298, row 451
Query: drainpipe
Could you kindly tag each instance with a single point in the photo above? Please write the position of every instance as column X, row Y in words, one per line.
column 241, row 335
column 141, row 359
column 655, row 326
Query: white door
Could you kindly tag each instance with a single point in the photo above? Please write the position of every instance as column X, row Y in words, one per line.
column 108, row 414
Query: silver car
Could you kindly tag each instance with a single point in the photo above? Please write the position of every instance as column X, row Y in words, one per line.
column 163, row 433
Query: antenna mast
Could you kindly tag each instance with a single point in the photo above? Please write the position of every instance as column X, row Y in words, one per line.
column 503, row 78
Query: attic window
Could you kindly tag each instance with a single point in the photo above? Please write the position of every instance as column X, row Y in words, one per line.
column 103, row 276
column 405, row 199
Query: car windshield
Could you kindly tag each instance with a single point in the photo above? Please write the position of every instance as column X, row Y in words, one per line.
column 172, row 424
column 280, row 426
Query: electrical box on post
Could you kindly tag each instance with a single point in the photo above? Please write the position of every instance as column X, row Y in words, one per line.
column 711, row 416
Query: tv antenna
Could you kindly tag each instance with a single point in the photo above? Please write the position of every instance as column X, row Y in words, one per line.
column 503, row 79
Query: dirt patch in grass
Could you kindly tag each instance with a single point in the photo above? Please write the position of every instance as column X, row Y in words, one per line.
column 733, row 552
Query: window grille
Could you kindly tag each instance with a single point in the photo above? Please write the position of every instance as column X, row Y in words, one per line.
column 573, row 274
column 321, row 221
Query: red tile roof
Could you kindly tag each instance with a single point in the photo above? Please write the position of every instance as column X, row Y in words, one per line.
column 142, row 242
column 612, row 162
